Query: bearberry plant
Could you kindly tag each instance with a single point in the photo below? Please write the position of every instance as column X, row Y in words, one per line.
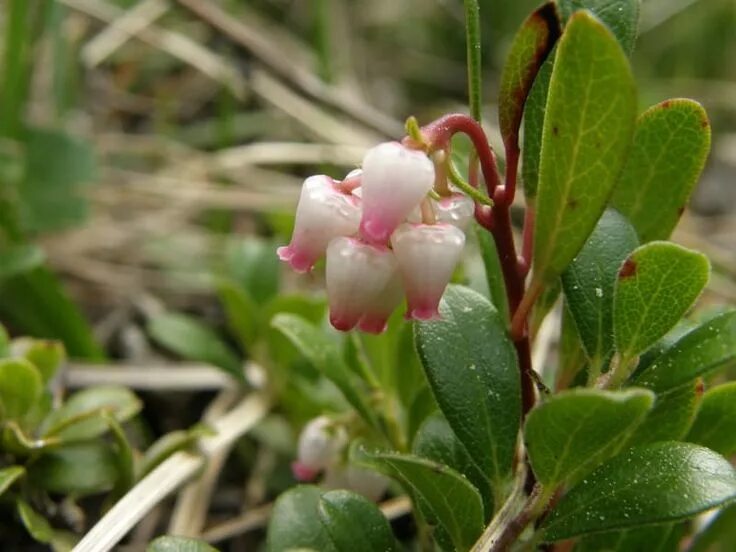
column 616, row 442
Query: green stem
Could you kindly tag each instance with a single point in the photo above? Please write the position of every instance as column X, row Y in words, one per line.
column 322, row 25
column 466, row 188
column 473, row 44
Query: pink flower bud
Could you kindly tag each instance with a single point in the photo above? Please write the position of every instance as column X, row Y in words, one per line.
column 457, row 209
column 323, row 213
column 356, row 276
column 319, row 446
column 427, row 255
column 378, row 312
column 395, row 180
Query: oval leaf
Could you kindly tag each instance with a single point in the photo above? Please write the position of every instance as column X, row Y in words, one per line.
column 715, row 425
column 621, row 17
column 46, row 355
column 655, row 287
column 700, row 351
column 81, row 469
column 588, row 126
column 10, row 475
column 35, row 523
column 295, row 522
column 671, row 143
column 471, row 366
column 178, row 544
column 20, row 387
column 354, row 523
column 589, row 280
column 644, row 485
column 574, row 431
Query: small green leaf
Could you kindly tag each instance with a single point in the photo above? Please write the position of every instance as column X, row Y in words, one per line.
column 295, row 522
column 168, row 444
column 671, row 143
column 15, row 441
column 435, row 441
column 10, row 475
column 324, row 355
column 447, row 498
column 35, row 523
column 254, row 265
column 530, row 47
column 644, row 485
column 574, row 431
column 588, row 126
column 80, row 468
column 354, row 523
column 715, row 424
column 471, row 366
column 81, row 416
column 621, row 17
column 534, row 110
column 656, row 286
column 46, row 355
column 700, row 351
column 242, row 313
column 17, row 259
column 190, row 339
column 20, row 387
column 589, row 281
column 178, row 544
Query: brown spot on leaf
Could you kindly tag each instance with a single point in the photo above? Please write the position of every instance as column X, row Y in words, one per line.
column 666, row 104
column 548, row 14
column 572, row 203
column 699, row 387
column 555, row 131
column 628, row 269
column 704, row 123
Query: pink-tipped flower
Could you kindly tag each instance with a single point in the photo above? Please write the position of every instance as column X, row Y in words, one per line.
column 357, row 273
column 377, row 313
column 395, row 180
column 323, row 213
column 427, row 255
column 456, row 209
column 320, row 444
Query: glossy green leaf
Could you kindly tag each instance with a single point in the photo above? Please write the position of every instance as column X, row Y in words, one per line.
column 447, row 498
column 715, row 424
column 653, row 538
column 534, row 110
column 46, row 355
column 80, row 417
column 588, row 126
column 17, row 259
column 10, row 475
column 169, row 543
column 529, row 48
column 354, row 523
column 574, row 431
column 472, row 369
column 190, row 339
column 589, row 281
column 671, row 143
column 295, row 522
column 435, row 441
column 324, row 355
column 644, row 485
column 655, row 287
column 621, row 17
column 20, row 387
column 80, row 468
column 35, row 523
column 422, row 406
column 700, row 351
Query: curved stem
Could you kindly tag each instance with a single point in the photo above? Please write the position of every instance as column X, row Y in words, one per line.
column 465, row 187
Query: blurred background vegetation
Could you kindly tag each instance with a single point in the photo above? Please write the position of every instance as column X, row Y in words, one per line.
column 151, row 152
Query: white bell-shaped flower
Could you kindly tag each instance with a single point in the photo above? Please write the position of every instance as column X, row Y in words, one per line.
column 395, row 180
column 456, row 209
column 323, row 213
column 377, row 313
column 357, row 274
column 427, row 255
column 319, row 447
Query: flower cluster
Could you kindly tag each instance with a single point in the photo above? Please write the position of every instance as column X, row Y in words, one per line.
column 383, row 237
column 320, row 450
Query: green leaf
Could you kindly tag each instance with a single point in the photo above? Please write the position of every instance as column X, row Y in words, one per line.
column 295, row 522
column 254, row 265
column 588, row 126
column 354, row 523
column 35, row 523
column 81, row 416
column 324, row 355
column 17, row 259
column 168, row 444
column 715, row 424
column 572, row 362
column 494, row 274
column 80, row 468
column 655, row 287
column 673, row 414
column 472, row 369
column 190, row 339
column 10, row 475
column 446, row 497
column 20, row 387
column 4, row 342
column 700, row 351
column 589, row 281
column 644, row 485
column 574, row 431
column 435, row 441
column 534, row 110
column 671, row 143
column 46, row 355
column 242, row 314
column 621, row 17
column 530, row 47
column 168, row 543
column 653, row 538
